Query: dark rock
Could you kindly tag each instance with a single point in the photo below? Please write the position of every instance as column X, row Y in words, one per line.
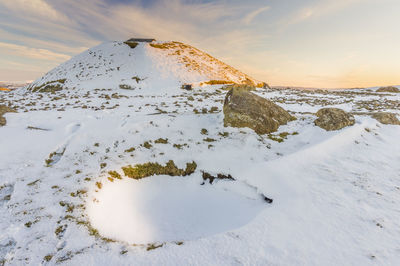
column 268, row 200
column 245, row 109
column 187, row 87
column 333, row 119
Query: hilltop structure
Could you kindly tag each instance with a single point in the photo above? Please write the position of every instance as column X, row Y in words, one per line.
column 140, row 40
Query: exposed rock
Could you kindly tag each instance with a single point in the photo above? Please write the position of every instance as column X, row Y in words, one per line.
column 388, row 89
column 333, row 119
column 5, row 109
column 245, row 109
column 386, row 118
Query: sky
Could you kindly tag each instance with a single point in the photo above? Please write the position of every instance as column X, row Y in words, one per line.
column 305, row 43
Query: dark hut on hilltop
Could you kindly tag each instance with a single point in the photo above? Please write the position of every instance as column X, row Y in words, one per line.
column 140, row 40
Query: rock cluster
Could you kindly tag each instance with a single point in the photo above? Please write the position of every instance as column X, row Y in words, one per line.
column 333, row 119
column 245, row 109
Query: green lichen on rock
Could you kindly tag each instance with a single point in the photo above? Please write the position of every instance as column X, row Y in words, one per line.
column 245, row 109
column 140, row 171
column 333, row 119
column 386, row 118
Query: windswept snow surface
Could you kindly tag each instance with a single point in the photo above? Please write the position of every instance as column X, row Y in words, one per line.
column 336, row 194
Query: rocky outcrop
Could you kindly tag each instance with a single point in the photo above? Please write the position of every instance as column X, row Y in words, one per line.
column 245, row 109
column 388, row 89
column 386, row 118
column 333, row 119
column 4, row 109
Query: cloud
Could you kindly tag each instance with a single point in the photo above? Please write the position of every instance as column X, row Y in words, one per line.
column 37, row 8
column 54, row 46
column 34, row 53
column 252, row 15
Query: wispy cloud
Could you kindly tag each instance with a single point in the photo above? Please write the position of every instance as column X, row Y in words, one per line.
column 248, row 19
column 315, row 10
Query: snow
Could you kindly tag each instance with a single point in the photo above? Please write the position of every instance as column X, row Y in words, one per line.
column 166, row 209
column 336, row 194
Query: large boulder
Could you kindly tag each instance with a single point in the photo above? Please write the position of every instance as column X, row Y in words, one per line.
column 333, row 119
column 386, row 118
column 4, row 109
column 245, row 109
column 388, row 89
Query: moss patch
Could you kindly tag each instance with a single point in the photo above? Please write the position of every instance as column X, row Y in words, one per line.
column 5, row 109
column 210, row 178
column 281, row 136
column 161, row 141
column 147, row 145
column 130, row 149
column 153, row 246
column 166, row 45
column 115, row 174
column 140, row 171
column 218, row 82
column 51, row 86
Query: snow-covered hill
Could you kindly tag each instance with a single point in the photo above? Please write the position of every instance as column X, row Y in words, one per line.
column 141, row 66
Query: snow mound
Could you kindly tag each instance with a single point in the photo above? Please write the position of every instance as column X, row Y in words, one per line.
column 166, row 209
column 147, row 66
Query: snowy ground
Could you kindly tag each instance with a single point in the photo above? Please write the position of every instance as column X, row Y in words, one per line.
column 336, row 194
